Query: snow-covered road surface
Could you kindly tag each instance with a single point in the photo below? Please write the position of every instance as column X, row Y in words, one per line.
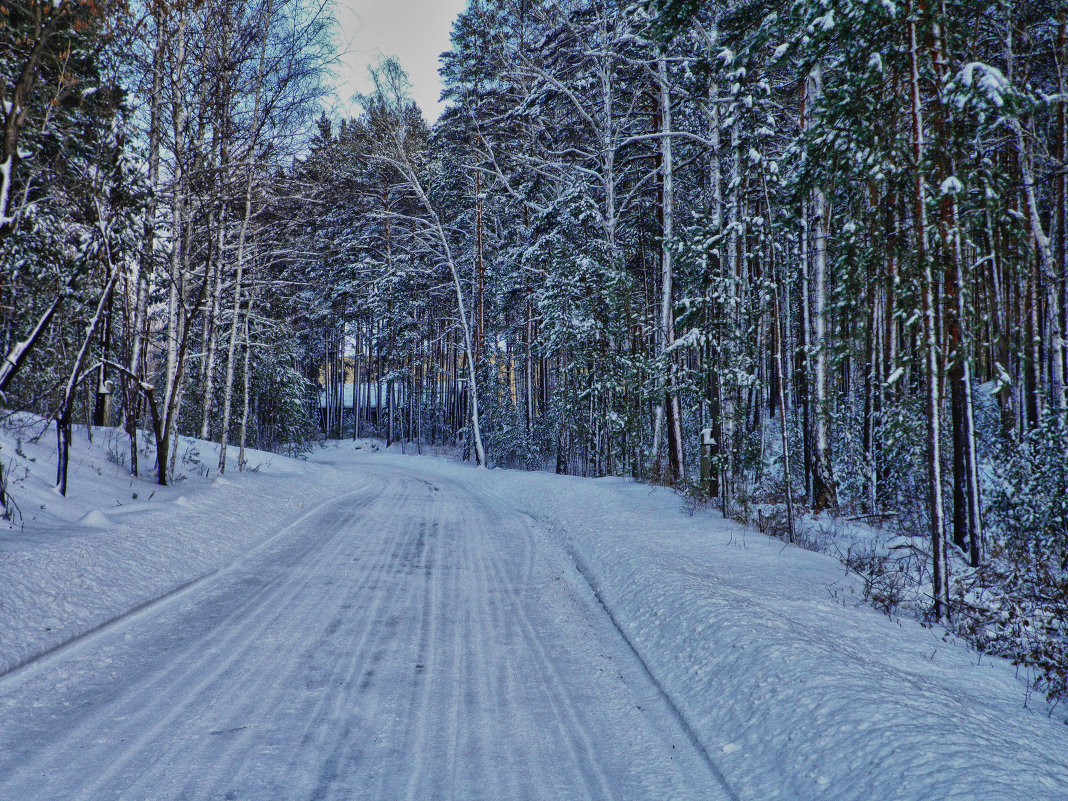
column 368, row 625
column 405, row 641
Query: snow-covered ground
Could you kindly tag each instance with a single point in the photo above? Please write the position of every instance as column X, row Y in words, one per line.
column 368, row 625
column 70, row 564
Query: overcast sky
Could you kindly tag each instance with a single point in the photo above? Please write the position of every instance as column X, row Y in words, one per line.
column 415, row 31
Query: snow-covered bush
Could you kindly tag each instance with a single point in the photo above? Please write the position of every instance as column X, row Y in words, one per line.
column 1016, row 605
column 1029, row 508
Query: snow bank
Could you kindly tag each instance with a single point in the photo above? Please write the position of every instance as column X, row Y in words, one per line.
column 115, row 543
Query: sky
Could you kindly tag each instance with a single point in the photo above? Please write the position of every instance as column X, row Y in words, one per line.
column 415, row 31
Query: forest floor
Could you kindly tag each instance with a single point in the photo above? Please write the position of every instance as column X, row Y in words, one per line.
column 362, row 624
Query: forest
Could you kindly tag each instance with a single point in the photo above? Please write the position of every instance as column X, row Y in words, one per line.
column 832, row 234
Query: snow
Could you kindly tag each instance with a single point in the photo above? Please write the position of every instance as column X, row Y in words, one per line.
column 952, row 186
column 990, row 82
column 368, row 625
column 94, row 519
column 1003, row 380
column 5, row 189
column 824, row 23
column 115, row 542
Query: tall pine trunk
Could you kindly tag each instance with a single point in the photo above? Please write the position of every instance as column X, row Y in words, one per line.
column 940, row 563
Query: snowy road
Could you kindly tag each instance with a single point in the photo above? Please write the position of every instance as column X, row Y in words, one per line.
column 414, row 638
column 365, row 625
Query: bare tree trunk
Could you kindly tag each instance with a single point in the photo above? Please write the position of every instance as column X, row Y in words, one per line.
column 825, row 494
column 777, row 325
column 805, row 347
column 102, row 392
column 480, row 270
column 1059, row 310
column 143, row 265
column 63, row 419
column 176, row 323
column 673, row 413
column 222, row 151
column 211, row 317
column 16, row 357
column 246, row 374
column 401, row 163
column 940, row 566
column 967, row 533
column 1044, row 269
column 356, row 357
column 714, row 379
column 528, row 360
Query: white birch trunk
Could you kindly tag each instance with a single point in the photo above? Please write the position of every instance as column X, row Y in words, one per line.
column 211, row 339
column 246, row 374
column 1045, row 262
column 826, row 496
column 224, row 434
column 476, row 428
column 667, row 304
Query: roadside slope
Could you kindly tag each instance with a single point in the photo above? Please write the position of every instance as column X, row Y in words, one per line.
column 117, row 543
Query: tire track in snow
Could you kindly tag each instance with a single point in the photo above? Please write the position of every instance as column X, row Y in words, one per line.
column 572, row 723
column 404, row 647
column 571, row 728
column 384, row 639
column 292, row 674
column 483, row 697
column 392, row 555
column 359, row 675
column 591, row 580
column 418, row 720
column 145, row 730
column 205, row 678
column 456, row 731
column 23, row 666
